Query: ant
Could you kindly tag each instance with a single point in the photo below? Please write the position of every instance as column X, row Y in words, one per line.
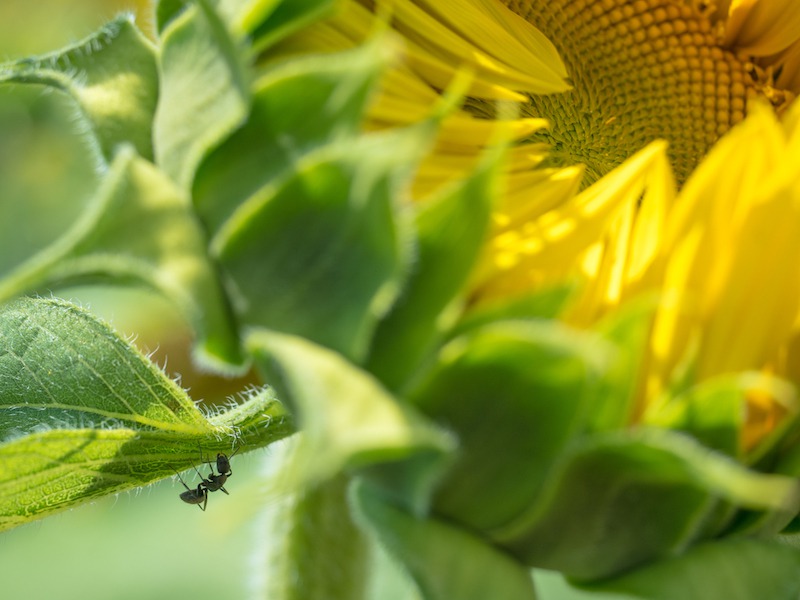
column 216, row 482
column 212, row 484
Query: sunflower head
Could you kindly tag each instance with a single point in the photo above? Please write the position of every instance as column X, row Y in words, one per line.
column 640, row 71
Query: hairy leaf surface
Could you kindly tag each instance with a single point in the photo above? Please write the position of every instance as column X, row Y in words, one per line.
column 84, row 414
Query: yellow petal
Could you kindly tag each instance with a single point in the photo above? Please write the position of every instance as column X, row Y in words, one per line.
column 549, row 248
column 619, row 266
column 791, row 124
column 501, row 33
column 530, row 194
column 763, row 27
column 461, row 33
column 755, row 314
column 788, row 62
column 708, row 277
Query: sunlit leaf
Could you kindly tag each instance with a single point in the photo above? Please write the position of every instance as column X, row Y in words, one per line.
column 83, row 414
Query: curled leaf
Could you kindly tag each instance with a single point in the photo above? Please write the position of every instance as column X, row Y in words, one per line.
column 164, row 250
column 113, row 78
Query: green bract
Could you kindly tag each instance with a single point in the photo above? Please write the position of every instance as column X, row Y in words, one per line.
column 451, row 450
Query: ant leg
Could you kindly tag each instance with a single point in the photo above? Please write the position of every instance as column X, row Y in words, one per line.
column 207, row 460
column 230, row 471
column 200, row 475
column 182, row 481
column 205, row 497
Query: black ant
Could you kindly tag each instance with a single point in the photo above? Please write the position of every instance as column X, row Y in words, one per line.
column 212, row 484
column 216, row 482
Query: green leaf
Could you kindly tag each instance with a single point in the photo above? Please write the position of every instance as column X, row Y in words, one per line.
column 546, row 303
column 204, row 92
column 515, row 393
column 140, row 228
column 298, row 107
column 450, row 234
column 348, row 420
column 166, row 11
column 270, row 23
column 314, row 550
column 389, row 580
column 628, row 330
column 625, row 498
column 322, row 254
column 264, row 21
column 113, row 78
column 720, row 570
column 83, row 414
column 445, row 562
column 713, row 412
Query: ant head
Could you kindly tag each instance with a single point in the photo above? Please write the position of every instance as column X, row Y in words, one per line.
column 223, row 461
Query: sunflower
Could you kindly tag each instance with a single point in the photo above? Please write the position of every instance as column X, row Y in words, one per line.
column 608, row 76
column 525, row 275
column 618, row 102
